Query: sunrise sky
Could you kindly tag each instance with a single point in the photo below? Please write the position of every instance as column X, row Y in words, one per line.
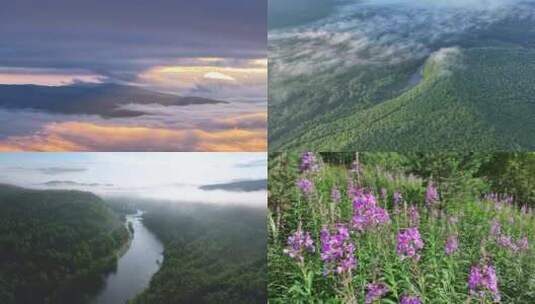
column 206, row 48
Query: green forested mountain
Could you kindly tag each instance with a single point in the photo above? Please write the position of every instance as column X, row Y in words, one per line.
column 482, row 102
column 414, row 76
column 213, row 254
column 52, row 239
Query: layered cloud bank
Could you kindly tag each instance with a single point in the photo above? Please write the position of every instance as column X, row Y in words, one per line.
column 383, row 32
column 226, row 134
column 205, row 49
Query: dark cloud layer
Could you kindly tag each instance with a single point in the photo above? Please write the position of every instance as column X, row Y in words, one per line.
column 119, row 38
column 104, row 100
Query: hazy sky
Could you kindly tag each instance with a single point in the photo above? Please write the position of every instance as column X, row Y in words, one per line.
column 208, row 48
column 173, row 176
column 123, row 39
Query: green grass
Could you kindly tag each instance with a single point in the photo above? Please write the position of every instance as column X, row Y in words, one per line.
column 436, row 278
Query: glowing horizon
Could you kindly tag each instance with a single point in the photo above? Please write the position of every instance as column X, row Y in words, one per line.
column 190, row 50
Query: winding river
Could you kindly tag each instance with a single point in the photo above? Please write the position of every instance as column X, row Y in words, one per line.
column 135, row 268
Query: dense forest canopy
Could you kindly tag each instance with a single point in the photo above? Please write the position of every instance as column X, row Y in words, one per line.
column 213, row 253
column 52, row 239
column 404, row 75
column 475, row 173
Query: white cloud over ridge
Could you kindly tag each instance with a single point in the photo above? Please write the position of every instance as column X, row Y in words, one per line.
column 383, row 32
column 447, row 59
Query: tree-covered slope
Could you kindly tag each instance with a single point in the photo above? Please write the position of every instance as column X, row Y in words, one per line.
column 213, row 254
column 49, row 238
column 479, row 98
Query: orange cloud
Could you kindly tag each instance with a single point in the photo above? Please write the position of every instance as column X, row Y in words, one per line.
column 38, row 77
column 82, row 136
column 232, row 141
column 248, row 120
column 189, row 76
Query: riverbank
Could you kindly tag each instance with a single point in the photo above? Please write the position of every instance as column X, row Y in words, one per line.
column 137, row 262
column 124, row 248
column 82, row 287
column 213, row 254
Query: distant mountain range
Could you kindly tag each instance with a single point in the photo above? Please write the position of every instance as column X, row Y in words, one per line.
column 59, row 183
column 238, row 186
column 105, row 100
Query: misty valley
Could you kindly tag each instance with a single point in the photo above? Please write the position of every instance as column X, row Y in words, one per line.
column 69, row 246
column 394, row 75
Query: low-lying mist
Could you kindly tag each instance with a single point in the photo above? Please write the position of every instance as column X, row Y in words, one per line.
column 216, row 178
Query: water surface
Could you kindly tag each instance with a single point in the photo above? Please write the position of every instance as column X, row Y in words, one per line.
column 135, row 268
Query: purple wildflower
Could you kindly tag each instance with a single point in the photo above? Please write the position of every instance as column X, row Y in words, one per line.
column 499, row 200
column 506, row 242
column 452, row 244
column 366, row 214
column 431, row 194
column 306, row 186
column 335, row 195
column 414, row 216
column 337, row 250
column 474, row 278
column 410, row 300
column 523, row 244
column 491, row 196
column 483, row 279
column 495, row 229
column 408, row 243
column 375, row 291
column 309, row 163
column 508, row 199
column 353, row 190
column 356, row 167
column 298, row 243
column 397, row 198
